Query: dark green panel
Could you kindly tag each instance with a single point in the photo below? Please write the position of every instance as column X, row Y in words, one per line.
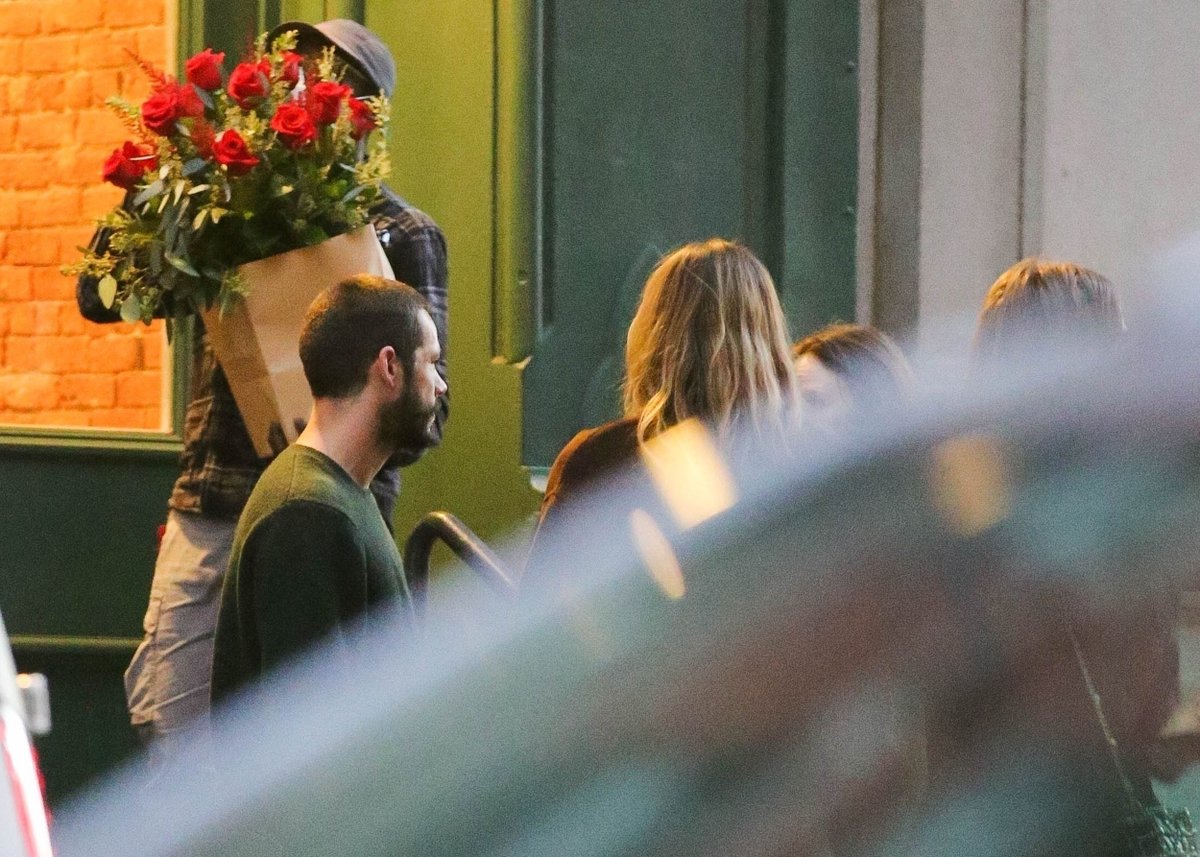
column 820, row 163
column 674, row 121
column 91, row 731
column 645, row 141
column 79, row 528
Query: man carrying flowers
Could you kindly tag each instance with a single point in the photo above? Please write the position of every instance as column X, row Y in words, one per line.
column 233, row 138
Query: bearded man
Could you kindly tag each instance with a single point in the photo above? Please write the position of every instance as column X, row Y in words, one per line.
column 311, row 553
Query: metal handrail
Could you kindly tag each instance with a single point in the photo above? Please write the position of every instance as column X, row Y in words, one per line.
column 465, row 545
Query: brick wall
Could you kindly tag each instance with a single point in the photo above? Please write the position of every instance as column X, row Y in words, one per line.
column 62, row 59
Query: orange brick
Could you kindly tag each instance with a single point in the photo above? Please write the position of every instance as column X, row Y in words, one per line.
column 77, row 91
column 47, row 91
column 139, row 389
column 49, row 53
column 45, row 130
column 4, row 313
column 21, row 319
column 62, row 353
column 8, row 133
column 51, row 207
column 45, row 318
column 152, row 349
column 34, row 247
column 9, row 209
column 28, row 391
column 133, row 14
column 24, row 169
column 97, row 201
column 97, row 125
column 70, row 322
column 118, row 418
column 15, row 418
column 88, row 391
column 100, row 49
column 63, row 418
column 16, row 283
column 49, row 284
column 104, row 82
column 20, row 19
column 72, row 15
column 114, row 353
column 18, row 92
column 152, row 44
column 19, row 353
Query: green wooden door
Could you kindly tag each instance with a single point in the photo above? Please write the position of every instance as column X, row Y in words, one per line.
column 676, row 120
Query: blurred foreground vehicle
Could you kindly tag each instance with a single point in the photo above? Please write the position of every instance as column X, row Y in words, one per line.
column 862, row 647
column 24, row 709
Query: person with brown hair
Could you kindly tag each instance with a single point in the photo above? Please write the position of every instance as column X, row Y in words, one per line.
column 708, row 341
column 1038, row 297
column 311, row 553
column 845, row 367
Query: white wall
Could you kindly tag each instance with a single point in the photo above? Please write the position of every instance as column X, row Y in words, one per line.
column 1065, row 128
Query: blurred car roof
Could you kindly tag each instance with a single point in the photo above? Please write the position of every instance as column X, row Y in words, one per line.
column 607, row 718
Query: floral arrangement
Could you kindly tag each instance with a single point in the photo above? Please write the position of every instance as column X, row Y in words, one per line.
column 230, row 168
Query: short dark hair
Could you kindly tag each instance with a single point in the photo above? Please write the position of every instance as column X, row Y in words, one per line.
column 1039, row 298
column 349, row 324
column 865, row 358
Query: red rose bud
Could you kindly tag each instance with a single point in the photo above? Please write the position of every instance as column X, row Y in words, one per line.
column 231, row 150
column 126, row 165
column 325, row 101
column 248, row 83
column 204, row 70
column 290, row 72
column 294, row 126
column 190, row 104
column 362, row 119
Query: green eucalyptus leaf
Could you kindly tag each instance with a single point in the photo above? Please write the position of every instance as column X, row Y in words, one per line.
column 205, row 98
column 194, row 166
column 107, row 290
column 354, row 191
column 149, row 192
column 131, row 309
column 181, row 264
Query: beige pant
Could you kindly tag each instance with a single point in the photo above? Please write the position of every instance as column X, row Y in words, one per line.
column 167, row 683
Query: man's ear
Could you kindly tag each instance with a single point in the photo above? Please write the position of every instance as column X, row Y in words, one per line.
column 389, row 367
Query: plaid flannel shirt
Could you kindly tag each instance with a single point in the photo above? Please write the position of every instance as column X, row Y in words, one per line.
column 219, row 466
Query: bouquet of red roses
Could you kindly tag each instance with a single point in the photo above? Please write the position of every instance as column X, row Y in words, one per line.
column 226, row 169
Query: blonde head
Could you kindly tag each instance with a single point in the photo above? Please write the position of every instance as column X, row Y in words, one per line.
column 709, row 341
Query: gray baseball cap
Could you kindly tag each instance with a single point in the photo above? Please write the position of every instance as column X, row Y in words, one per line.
column 354, row 42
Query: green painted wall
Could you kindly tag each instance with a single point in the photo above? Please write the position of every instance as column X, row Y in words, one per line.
column 443, row 149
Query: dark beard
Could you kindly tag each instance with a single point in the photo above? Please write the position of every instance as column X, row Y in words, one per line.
column 407, row 423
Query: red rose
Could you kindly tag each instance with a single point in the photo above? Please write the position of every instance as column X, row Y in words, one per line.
column 294, row 125
column 325, row 101
column 290, row 72
column 169, row 103
column 204, row 70
column 126, row 165
column 231, row 150
column 190, row 104
column 362, row 119
column 248, row 83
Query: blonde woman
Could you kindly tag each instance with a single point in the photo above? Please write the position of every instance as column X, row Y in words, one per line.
column 708, row 341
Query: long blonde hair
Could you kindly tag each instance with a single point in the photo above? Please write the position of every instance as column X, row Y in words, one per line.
column 709, row 340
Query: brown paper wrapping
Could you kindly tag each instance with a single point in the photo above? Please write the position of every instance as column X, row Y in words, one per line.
column 256, row 340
